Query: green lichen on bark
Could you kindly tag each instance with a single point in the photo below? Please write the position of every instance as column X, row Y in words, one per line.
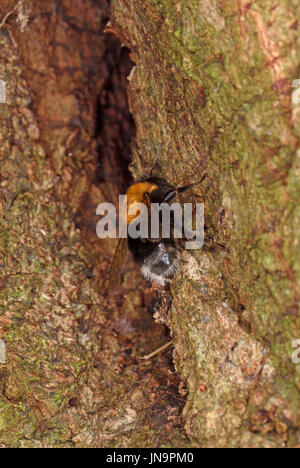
column 36, row 271
column 212, row 86
column 73, row 375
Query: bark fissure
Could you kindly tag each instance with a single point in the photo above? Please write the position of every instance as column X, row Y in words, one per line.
column 72, row 375
column 201, row 66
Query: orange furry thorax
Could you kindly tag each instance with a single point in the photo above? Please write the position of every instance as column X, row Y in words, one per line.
column 135, row 194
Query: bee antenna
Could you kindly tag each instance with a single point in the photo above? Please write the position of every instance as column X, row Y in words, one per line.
column 155, row 159
column 186, row 187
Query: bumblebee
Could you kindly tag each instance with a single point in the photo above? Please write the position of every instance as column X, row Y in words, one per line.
column 158, row 259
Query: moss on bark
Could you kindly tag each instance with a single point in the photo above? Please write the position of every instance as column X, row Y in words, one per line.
column 72, row 376
column 212, row 86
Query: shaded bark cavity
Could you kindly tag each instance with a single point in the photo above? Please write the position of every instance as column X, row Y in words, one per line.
column 73, row 376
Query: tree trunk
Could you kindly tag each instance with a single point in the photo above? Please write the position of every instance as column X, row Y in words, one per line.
column 210, row 93
column 212, row 85
column 70, row 368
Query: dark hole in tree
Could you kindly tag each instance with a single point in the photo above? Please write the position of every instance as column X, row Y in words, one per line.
column 115, row 128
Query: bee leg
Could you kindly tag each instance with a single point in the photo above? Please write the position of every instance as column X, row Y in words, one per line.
column 212, row 244
column 147, row 199
column 190, row 186
column 151, row 287
column 154, row 165
column 177, row 243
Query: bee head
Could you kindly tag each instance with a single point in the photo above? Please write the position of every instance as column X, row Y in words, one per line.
column 163, row 192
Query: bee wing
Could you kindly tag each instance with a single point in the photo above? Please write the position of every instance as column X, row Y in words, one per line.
column 118, row 263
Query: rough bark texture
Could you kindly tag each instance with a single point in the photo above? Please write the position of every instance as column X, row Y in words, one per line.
column 212, row 86
column 72, row 375
column 211, row 89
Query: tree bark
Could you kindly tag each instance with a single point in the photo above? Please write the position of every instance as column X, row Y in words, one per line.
column 210, row 93
column 70, row 368
column 212, row 88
